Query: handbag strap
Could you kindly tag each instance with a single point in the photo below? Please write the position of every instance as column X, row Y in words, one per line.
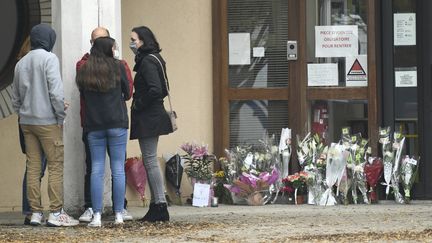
column 166, row 81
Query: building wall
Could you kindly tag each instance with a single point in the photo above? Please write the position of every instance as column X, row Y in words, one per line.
column 184, row 32
column 183, row 29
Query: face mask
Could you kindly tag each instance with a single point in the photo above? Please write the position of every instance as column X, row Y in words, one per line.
column 133, row 47
column 116, row 54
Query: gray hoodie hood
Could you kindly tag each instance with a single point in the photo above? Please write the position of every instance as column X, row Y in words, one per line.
column 42, row 36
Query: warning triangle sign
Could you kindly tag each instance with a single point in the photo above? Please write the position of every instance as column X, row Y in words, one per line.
column 356, row 69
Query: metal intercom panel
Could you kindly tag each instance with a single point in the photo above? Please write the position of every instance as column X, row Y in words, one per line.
column 291, row 50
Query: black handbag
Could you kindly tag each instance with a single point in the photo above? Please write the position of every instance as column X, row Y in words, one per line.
column 172, row 114
column 174, row 172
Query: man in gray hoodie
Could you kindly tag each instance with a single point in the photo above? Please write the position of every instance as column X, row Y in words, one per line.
column 38, row 100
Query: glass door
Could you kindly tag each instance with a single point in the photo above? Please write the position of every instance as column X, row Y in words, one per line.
column 252, row 73
column 341, row 68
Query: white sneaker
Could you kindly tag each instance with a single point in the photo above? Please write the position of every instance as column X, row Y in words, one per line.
column 126, row 215
column 87, row 215
column 119, row 218
column 96, row 221
column 61, row 219
column 36, row 219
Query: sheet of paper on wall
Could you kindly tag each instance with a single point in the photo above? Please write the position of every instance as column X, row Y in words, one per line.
column 404, row 27
column 239, row 49
column 356, row 71
column 258, row 52
column 336, row 41
column 201, row 195
column 406, row 77
column 322, row 74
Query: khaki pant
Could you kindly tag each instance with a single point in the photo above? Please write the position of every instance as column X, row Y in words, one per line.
column 48, row 138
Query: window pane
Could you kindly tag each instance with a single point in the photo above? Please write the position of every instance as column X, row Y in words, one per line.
column 266, row 23
column 406, row 98
column 329, row 117
column 250, row 120
column 350, row 15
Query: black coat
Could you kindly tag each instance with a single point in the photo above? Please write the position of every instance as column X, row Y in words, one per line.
column 148, row 115
column 106, row 110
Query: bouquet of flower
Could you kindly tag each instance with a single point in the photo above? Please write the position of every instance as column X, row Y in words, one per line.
column 136, row 176
column 409, row 168
column 312, row 156
column 398, row 145
column 250, row 186
column 344, row 182
column 358, row 161
column 296, row 182
column 310, row 150
column 220, row 180
column 388, row 156
column 373, row 170
column 336, row 163
column 198, row 161
column 255, row 160
column 285, row 150
column 304, row 150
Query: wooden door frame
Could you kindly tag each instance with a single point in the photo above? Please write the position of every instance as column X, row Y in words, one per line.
column 221, row 91
column 298, row 94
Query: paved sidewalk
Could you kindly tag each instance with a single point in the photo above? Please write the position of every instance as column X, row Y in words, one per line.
column 231, row 223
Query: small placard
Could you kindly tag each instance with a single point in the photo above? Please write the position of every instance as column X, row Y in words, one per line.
column 258, row 52
column 322, row 74
column 412, row 161
column 239, row 49
column 201, row 195
column 406, row 77
column 336, row 41
column 404, row 27
column 356, row 71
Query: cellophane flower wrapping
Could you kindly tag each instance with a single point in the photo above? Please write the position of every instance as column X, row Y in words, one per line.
column 357, row 161
column 248, row 185
column 255, row 168
column 409, row 168
column 312, row 156
column 398, row 147
column 336, row 163
column 388, row 156
column 136, row 176
column 344, row 182
column 285, row 151
column 304, row 150
column 315, row 184
column 344, row 185
column 373, row 171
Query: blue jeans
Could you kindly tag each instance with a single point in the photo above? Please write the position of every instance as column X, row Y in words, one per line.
column 87, row 176
column 25, row 204
column 115, row 139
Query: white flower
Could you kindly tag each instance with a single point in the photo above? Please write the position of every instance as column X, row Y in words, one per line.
column 358, row 168
column 274, row 149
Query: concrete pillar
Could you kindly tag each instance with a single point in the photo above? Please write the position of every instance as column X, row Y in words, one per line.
column 73, row 21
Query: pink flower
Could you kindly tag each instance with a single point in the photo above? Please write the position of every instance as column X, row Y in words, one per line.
column 187, row 147
column 198, row 152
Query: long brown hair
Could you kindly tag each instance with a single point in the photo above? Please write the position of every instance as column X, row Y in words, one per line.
column 101, row 72
column 25, row 48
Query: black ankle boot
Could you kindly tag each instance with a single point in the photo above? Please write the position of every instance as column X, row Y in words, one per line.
column 149, row 213
column 157, row 212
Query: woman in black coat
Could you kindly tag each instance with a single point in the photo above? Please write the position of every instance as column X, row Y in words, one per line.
column 149, row 119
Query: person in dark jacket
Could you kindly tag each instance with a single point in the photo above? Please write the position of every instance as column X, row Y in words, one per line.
column 88, row 212
column 149, row 119
column 104, row 88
